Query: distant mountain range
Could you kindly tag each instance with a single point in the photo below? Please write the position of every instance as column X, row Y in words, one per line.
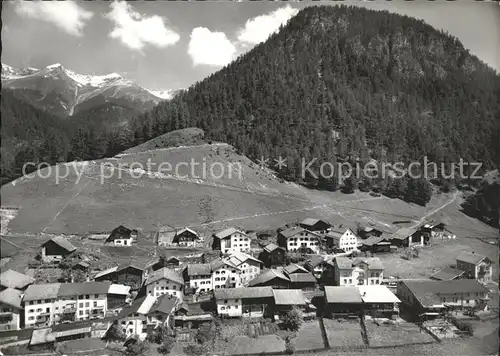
column 62, row 92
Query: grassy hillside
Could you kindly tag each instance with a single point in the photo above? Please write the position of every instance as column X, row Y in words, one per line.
column 185, row 137
column 99, row 201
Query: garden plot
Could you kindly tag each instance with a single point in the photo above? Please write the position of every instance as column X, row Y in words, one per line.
column 309, row 337
column 244, row 345
column 397, row 334
column 345, row 334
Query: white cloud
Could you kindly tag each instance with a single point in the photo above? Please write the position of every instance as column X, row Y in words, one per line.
column 67, row 15
column 259, row 28
column 135, row 30
column 210, row 48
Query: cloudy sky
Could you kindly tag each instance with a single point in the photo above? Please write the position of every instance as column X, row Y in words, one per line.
column 168, row 45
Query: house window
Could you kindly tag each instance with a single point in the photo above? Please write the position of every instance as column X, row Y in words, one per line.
column 80, row 312
column 96, row 296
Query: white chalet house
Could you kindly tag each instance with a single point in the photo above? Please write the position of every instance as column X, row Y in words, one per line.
column 39, row 304
column 249, row 266
column 358, row 271
column 10, row 309
column 46, row 304
column 344, row 239
column 208, row 276
column 133, row 319
column 122, row 236
column 148, row 310
column 296, row 238
column 231, row 240
column 165, row 281
column 87, row 300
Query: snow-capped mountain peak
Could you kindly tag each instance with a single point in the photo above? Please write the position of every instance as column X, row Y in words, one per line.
column 165, row 94
column 11, row 72
column 65, row 92
column 53, row 66
column 93, row 80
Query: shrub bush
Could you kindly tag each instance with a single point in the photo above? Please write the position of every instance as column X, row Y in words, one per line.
column 462, row 325
column 292, row 319
column 289, row 348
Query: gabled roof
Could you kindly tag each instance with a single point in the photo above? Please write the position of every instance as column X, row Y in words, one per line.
column 69, row 332
column 338, row 232
column 267, row 276
column 61, row 242
column 302, row 278
column 188, row 230
column 374, row 240
column 377, row 294
column 294, row 230
column 42, row 336
column 11, row 297
column 314, row 261
column 164, row 304
column 106, row 272
column 271, row 247
column 427, row 291
column 116, row 269
column 294, row 268
column 215, row 265
column 404, row 233
column 243, row 293
column 289, row 297
column 140, row 306
column 447, row 274
column 471, row 257
column 199, row 269
column 14, row 279
column 42, row 291
column 164, row 273
column 349, row 263
column 238, row 258
column 227, row 232
column 119, row 289
column 312, row 222
column 165, row 237
column 342, row 294
column 122, row 230
column 72, row 289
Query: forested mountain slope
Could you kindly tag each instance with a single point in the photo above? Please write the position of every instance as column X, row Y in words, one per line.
column 391, row 87
column 485, row 203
